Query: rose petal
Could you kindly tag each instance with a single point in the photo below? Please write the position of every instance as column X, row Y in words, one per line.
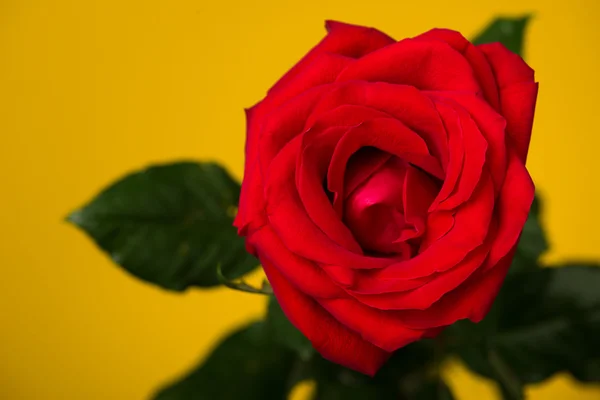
column 474, row 56
column 518, row 107
column 426, row 65
column 361, row 166
column 320, row 69
column 251, row 205
column 405, row 103
column 419, row 192
column 474, row 151
column 469, row 230
column 318, row 144
column 491, row 125
column 518, row 93
column 386, row 134
column 311, row 169
column 508, row 68
column 342, row 39
column 289, row 220
column 305, row 275
column 430, row 292
column 512, row 208
column 381, row 328
column 371, row 212
column 282, row 125
column 456, row 153
column 330, row 338
column 471, row 300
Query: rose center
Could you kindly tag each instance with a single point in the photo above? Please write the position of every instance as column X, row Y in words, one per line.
column 386, row 208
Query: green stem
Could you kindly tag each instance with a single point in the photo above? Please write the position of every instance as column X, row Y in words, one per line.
column 241, row 285
column 507, row 379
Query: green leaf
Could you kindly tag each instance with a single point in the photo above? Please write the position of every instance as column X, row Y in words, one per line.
column 433, row 390
column 333, row 391
column 429, row 389
column 508, row 31
column 533, row 242
column 282, row 331
column 510, row 385
column 544, row 321
column 170, row 225
column 412, row 362
column 243, row 366
column 405, row 375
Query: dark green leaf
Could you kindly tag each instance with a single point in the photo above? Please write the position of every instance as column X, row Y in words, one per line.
column 533, row 242
column 508, row 31
column 282, row 331
column 332, row 391
column 425, row 389
column 337, row 382
column 403, row 376
column 170, row 225
column 433, row 390
column 544, row 321
column 244, row 366
column 510, row 385
column 416, row 359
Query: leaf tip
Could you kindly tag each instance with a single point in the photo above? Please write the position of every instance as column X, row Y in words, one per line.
column 75, row 217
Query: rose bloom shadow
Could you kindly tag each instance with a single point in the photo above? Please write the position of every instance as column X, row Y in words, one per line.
column 385, row 186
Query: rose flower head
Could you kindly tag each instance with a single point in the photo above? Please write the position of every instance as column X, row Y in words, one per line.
column 385, row 186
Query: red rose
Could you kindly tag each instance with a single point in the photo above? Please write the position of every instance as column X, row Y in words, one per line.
column 385, row 186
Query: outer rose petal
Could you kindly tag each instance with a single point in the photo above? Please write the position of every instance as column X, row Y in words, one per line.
column 471, row 300
column 474, row 298
column 343, row 39
column 491, row 125
column 251, row 204
column 512, row 208
column 473, row 147
column 267, row 138
column 334, row 341
column 518, row 94
column 305, row 275
column 474, row 56
column 430, row 292
column 426, row 65
column 382, row 328
column 405, row 103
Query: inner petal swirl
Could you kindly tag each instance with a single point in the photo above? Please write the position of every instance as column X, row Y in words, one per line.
column 386, row 209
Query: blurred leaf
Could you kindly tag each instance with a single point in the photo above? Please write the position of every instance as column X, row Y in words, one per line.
column 404, row 376
column 243, row 366
column 508, row 31
column 425, row 389
column 433, row 390
column 337, row 382
column 336, row 391
column 283, row 332
column 416, row 359
column 170, row 225
column 544, row 321
column 533, row 242
column 510, row 385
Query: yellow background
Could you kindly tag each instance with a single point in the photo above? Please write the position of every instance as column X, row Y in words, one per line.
column 90, row 90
